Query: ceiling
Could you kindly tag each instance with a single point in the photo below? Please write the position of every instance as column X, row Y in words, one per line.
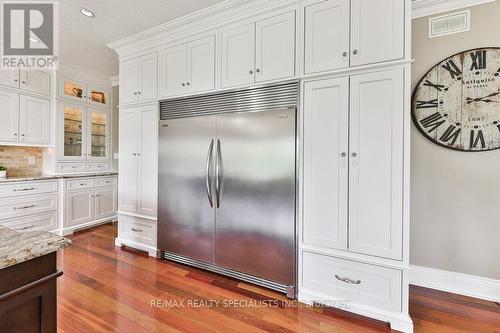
column 82, row 40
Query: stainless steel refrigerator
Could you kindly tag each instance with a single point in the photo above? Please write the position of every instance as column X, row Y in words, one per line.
column 227, row 183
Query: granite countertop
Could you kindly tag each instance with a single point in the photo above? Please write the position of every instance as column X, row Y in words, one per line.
column 46, row 177
column 17, row 247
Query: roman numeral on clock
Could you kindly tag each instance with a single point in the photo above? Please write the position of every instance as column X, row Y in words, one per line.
column 432, row 122
column 476, row 139
column 478, row 60
column 452, row 68
column 428, row 83
column 433, row 103
column 451, row 134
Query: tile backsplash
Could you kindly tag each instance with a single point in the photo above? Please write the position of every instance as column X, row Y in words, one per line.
column 17, row 159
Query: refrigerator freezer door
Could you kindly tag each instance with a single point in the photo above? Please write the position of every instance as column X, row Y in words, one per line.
column 186, row 187
column 255, row 228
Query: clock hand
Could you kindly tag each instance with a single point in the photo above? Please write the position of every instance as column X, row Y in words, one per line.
column 481, row 99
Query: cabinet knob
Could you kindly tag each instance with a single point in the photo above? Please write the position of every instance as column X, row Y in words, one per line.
column 344, row 54
column 343, row 154
column 251, row 71
column 257, row 70
column 188, row 84
column 183, row 84
column 354, row 154
column 135, row 92
column 23, row 82
column 15, row 80
column 134, row 154
column 15, row 134
column 355, row 52
column 138, row 93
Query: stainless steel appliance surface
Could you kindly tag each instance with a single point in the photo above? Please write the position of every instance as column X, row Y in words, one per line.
column 227, row 183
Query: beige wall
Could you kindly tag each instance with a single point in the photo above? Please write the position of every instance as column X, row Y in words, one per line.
column 455, row 213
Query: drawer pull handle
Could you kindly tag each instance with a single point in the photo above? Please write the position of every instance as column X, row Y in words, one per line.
column 346, row 280
column 25, row 228
column 24, row 189
column 136, row 230
column 24, row 207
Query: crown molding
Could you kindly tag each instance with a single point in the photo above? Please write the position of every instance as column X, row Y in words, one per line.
column 83, row 74
column 422, row 8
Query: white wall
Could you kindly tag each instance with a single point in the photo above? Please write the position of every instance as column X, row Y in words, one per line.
column 455, row 205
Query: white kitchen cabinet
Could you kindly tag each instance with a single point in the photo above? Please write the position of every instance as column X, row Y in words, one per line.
column 105, row 202
column 35, row 81
column 83, row 92
column 376, row 164
column 79, row 207
column 9, row 126
column 377, row 31
column 138, row 160
column 326, row 163
column 188, row 68
column 35, row 120
column 326, row 35
column 260, row 51
column 9, row 78
column 275, row 47
column 139, row 79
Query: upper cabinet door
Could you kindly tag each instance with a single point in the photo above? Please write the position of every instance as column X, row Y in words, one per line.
column 326, row 127
column 99, row 96
column 72, row 89
column 129, row 81
column 173, row 76
column 238, row 55
column 35, row 81
column 377, row 31
column 129, row 126
column 201, row 64
column 9, row 125
column 72, row 118
column 98, row 135
column 376, row 164
column 34, row 120
column 9, row 78
column 148, row 77
column 326, row 36
column 275, row 47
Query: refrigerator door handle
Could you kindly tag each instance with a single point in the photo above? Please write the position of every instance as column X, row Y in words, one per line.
column 217, row 176
column 208, row 183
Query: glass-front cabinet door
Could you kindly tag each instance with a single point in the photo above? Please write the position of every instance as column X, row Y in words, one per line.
column 98, row 136
column 72, row 89
column 73, row 137
column 99, row 96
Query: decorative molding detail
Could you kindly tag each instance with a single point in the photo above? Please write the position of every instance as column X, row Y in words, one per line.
column 423, row 8
column 83, row 74
column 115, row 80
column 458, row 283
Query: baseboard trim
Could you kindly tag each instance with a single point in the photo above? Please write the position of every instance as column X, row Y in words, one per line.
column 149, row 249
column 457, row 283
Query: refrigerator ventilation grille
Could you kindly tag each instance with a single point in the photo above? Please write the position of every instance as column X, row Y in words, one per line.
column 244, row 100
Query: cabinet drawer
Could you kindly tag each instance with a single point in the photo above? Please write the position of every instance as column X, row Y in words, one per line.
column 71, row 167
column 79, row 184
column 28, row 188
column 136, row 230
column 44, row 222
column 29, row 205
column 97, row 166
column 337, row 279
column 106, row 181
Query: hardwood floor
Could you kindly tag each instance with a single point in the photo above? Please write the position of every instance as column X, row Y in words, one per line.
column 108, row 289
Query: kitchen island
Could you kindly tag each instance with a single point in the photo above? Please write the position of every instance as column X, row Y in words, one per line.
column 28, row 276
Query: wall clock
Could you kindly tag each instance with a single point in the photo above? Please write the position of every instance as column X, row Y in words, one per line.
column 457, row 103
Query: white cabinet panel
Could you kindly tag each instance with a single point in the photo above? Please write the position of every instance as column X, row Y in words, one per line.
column 44, row 222
column 377, row 31
column 326, row 125
column 9, row 78
column 105, row 202
column 238, row 55
column 35, row 81
column 9, row 125
column 79, row 184
column 72, row 89
column 98, row 135
column 27, row 188
column 174, row 71
column 129, row 78
column 275, row 47
column 106, row 181
column 148, row 77
column 376, row 173
column 201, row 64
column 129, row 119
column 137, row 230
column 147, row 161
column 35, row 120
column 27, row 205
column 73, row 132
column 79, row 207
column 353, row 282
column 326, row 36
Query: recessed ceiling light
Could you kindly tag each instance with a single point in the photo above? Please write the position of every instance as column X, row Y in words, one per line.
column 87, row 12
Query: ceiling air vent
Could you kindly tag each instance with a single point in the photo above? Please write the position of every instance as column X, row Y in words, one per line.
column 449, row 24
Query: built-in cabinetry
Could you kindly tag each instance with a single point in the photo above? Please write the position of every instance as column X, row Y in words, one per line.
column 34, row 81
column 83, row 92
column 139, row 79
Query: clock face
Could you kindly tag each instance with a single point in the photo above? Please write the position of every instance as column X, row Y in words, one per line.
column 457, row 103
